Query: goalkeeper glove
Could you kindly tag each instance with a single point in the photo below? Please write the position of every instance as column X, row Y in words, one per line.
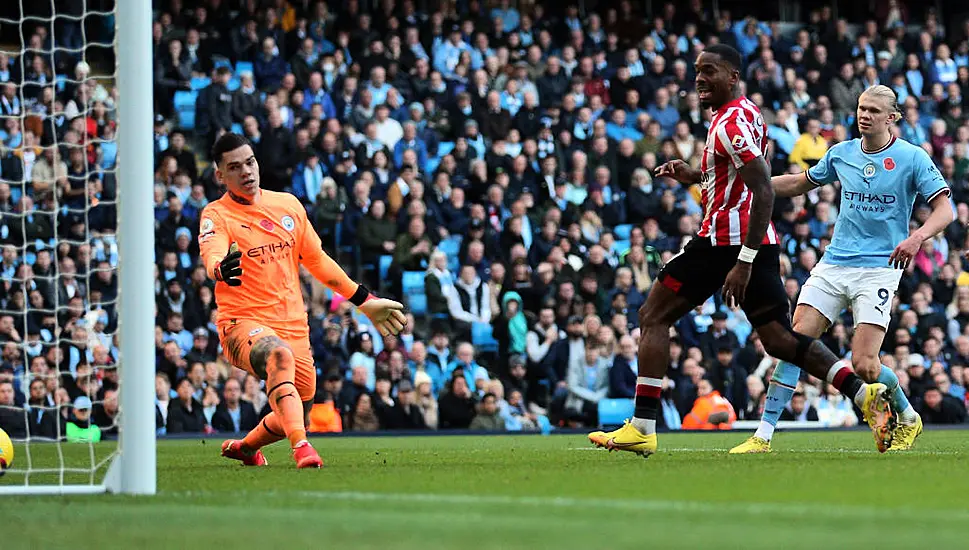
column 230, row 269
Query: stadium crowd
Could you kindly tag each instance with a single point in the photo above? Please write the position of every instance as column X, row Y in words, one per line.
column 491, row 164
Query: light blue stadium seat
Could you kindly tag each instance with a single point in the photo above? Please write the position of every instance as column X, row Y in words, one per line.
column 413, row 282
column 233, row 84
column 450, row 246
column 622, row 231
column 243, row 67
column 185, row 100
column 621, row 246
column 384, row 267
column 236, row 128
column 60, row 81
column 482, row 337
column 612, row 412
column 200, row 82
column 418, row 304
column 186, row 120
column 444, row 148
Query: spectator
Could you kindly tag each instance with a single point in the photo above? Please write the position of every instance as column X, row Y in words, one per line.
column 11, row 416
column 325, row 417
column 623, row 373
column 185, row 413
column 233, row 414
column 834, row 410
column 810, row 147
column 710, row 410
column 363, row 418
column 438, row 285
column 269, row 67
column 456, row 406
column 798, row 410
column 487, row 419
column 588, row 383
column 79, row 427
column 939, row 408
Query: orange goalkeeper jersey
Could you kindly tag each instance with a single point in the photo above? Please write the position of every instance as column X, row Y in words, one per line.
column 274, row 236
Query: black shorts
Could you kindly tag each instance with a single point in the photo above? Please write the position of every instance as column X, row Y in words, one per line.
column 701, row 269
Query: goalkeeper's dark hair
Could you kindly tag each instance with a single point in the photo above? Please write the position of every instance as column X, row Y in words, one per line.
column 228, row 142
column 728, row 54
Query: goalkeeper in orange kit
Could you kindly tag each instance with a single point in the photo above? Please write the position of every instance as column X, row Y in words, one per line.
column 252, row 243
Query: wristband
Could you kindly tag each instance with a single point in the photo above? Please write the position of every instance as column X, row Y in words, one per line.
column 746, row 255
column 360, row 296
column 217, row 272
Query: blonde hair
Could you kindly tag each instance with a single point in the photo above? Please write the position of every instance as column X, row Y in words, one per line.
column 886, row 93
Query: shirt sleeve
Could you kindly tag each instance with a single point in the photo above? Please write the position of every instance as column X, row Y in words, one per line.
column 318, row 262
column 213, row 240
column 823, row 172
column 735, row 139
column 928, row 180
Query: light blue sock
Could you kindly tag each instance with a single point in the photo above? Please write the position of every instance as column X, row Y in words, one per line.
column 782, row 386
column 900, row 403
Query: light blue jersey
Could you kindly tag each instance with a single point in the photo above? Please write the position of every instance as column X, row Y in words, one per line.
column 877, row 196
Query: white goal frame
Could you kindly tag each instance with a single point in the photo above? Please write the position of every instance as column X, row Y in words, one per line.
column 133, row 470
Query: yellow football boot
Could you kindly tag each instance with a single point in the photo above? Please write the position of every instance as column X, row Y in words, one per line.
column 879, row 415
column 753, row 445
column 905, row 434
column 626, row 438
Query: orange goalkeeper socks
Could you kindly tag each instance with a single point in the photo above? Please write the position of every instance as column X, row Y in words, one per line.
column 283, row 397
column 267, row 432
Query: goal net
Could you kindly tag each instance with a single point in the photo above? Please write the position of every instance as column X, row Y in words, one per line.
column 76, row 291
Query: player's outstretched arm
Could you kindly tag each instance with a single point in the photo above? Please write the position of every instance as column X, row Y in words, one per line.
column 939, row 219
column 680, row 171
column 387, row 315
column 791, row 185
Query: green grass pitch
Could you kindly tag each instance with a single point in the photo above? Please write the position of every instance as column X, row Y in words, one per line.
column 817, row 490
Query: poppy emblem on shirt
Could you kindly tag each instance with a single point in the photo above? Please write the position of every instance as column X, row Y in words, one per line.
column 889, row 164
column 869, row 170
column 288, row 223
column 267, row 225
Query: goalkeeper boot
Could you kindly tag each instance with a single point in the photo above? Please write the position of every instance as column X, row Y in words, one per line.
column 905, row 434
column 626, row 438
column 232, row 448
column 753, row 445
column 879, row 415
column 306, row 456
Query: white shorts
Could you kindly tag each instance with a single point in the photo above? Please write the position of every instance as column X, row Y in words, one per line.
column 867, row 290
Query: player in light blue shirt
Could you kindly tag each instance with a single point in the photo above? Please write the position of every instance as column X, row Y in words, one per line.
column 880, row 178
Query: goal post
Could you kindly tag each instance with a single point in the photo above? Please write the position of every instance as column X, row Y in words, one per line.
column 136, row 240
column 128, row 467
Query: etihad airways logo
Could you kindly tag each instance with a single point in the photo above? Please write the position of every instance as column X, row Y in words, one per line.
column 868, row 202
column 271, row 252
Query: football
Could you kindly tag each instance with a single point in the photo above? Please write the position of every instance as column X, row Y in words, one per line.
column 6, row 452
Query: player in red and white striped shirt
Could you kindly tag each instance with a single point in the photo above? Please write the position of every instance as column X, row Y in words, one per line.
column 736, row 246
column 737, row 136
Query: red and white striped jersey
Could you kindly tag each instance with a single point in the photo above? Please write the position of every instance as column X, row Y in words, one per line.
column 737, row 136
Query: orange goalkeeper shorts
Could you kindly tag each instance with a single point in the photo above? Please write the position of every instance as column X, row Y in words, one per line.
column 239, row 335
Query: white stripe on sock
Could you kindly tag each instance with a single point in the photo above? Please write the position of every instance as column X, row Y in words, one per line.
column 834, row 370
column 645, row 380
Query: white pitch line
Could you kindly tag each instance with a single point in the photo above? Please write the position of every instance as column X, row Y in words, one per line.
column 791, row 451
column 817, row 510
